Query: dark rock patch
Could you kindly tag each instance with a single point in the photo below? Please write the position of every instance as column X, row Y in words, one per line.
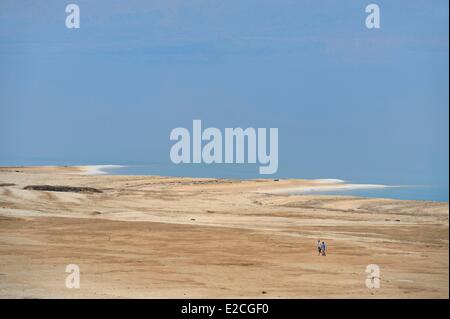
column 7, row 184
column 71, row 189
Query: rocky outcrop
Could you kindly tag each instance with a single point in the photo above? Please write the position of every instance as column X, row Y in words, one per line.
column 72, row 189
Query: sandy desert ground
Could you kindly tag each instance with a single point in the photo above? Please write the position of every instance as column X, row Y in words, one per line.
column 165, row 237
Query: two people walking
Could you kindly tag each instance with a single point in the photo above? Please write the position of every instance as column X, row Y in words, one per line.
column 321, row 248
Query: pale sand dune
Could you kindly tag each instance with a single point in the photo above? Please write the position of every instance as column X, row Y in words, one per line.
column 167, row 237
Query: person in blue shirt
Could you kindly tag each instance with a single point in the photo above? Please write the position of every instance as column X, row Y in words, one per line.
column 323, row 248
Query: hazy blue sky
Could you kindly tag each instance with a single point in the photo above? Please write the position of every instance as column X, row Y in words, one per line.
column 349, row 102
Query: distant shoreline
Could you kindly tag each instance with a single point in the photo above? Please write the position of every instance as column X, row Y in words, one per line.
column 281, row 186
column 316, row 185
